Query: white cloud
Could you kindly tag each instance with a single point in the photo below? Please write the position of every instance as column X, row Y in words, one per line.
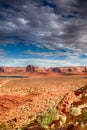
column 46, row 28
column 83, row 38
column 23, row 21
column 11, row 24
column 2, row 53
column 42, row 62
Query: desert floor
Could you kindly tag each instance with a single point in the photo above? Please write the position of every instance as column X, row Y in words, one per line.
column 23, row 98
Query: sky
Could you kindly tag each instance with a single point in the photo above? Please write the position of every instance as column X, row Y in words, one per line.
column 49, row 33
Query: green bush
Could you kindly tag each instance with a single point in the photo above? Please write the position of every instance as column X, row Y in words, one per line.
column 75, row 111
column 48, row 117
column 84, row 116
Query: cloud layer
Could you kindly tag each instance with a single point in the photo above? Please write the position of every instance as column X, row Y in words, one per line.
column 51, row 24
column 42, row 63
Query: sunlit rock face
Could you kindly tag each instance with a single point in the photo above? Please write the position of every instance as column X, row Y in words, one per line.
column 31, row 68
column 66, row 103
column 40, row 69
column 68, row 69
column 72, row 69
column 13, row 69
column 49, row 70
column 81, row 69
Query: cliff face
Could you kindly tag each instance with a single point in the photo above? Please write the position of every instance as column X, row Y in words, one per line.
column 31, row 68
column 69, row 69
column 1, row 69
column 12, row 69
column 40, row 69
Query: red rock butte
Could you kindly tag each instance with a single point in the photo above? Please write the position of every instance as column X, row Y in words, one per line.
column 34, row 69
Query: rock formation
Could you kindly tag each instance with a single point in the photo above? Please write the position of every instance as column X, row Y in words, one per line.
column 12, row 69
column 67, row 101
column 69, row 69
column 1, row 69
column 30, row 68
column 40, row 69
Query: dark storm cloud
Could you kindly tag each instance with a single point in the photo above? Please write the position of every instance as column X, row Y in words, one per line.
column 53, row 24
column 76, row 6
column 82, row 7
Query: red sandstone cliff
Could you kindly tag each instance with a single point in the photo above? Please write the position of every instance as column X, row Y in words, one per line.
column 31, row 68
column 12, row 69
column 68, row 70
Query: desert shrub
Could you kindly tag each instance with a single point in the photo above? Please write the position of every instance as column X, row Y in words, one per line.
column 24, row 128
column 62, row 119
column 47, row 117
column 3, row 126
column 75, row 111
column 84, row 116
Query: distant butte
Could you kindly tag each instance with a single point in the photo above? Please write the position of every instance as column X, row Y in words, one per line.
column 42, row 70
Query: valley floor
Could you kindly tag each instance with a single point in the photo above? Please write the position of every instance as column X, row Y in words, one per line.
column 24, row 98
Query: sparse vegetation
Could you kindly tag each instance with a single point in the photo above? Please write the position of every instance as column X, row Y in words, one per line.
column 48, row 117
column 4, row 126
column 75, row 111
column 50, row 90
column 24, row 127
column 84, row 116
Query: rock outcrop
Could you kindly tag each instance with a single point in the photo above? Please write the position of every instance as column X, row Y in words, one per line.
column 12, row 69
column 40, row 69
column 69, row 69
column 1, row 69
column 31, row 68
column 67, row 101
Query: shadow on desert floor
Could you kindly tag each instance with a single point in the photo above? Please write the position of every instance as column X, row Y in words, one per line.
column 13, row 77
